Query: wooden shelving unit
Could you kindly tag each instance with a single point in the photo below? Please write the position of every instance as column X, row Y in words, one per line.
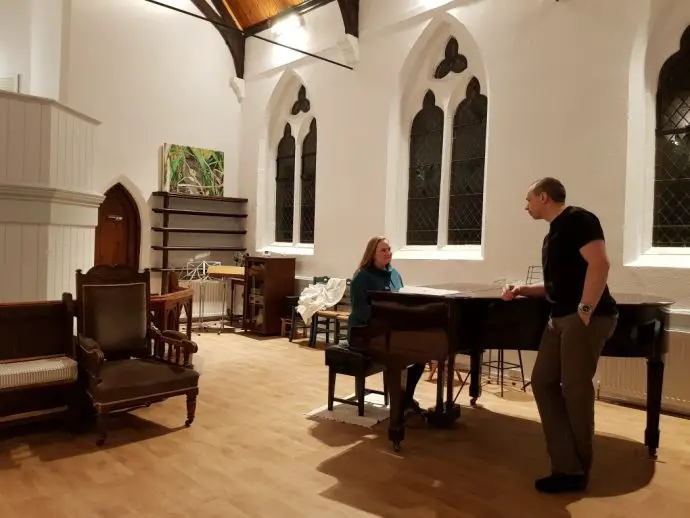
column 268, row 281
column 217, row 204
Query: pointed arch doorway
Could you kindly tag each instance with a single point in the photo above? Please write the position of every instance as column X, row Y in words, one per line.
column 118, row 234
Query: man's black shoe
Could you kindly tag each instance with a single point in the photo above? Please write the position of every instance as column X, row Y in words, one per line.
column 560, row 483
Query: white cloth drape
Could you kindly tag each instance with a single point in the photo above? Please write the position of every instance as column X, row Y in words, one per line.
column 317, row 297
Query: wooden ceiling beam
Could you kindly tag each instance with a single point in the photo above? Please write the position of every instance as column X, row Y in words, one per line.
column 349, row 9
column 219, row 15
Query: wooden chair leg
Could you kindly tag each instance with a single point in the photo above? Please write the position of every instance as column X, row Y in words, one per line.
column 314, row 329
column 360, row 384
column 292, row 324
column 191, row 409
column 232, row 301
column 433, row 365
column 102, row 421
column 522, row 371
column 331, row 387
column 385, row 389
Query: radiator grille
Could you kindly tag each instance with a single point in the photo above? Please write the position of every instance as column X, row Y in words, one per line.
column 208, row 298
column 625, row 379
column 622, row 380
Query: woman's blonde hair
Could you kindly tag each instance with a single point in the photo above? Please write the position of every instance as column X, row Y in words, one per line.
column 370, row 252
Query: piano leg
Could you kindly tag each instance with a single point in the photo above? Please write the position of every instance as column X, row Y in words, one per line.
column 655, row 380
column 440, row 377
column 475, row 375
column 396, row 426
column 443, row 416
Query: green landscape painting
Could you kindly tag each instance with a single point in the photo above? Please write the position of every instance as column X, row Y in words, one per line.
column 193, row 170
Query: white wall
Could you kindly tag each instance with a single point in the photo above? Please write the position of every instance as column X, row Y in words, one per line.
column 559, row 78
column 31, row 44
column 15, row 39
column 151, row 76
column 49, row 21
column 148, row 74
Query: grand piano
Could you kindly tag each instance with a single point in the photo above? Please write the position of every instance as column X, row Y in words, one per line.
column 439, row 321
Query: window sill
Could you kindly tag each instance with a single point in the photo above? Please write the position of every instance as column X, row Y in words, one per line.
column 662, row 258
column 288, row 249
column 459, row 253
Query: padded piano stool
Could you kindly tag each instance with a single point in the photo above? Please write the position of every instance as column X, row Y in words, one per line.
column 340, row 359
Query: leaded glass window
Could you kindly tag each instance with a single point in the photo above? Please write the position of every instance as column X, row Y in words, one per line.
column 308, row 191
column 285, row 186
column 466, row 200
column 671, row 224
column 426, row 150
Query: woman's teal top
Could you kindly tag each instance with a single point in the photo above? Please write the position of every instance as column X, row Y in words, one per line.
column 369, row 279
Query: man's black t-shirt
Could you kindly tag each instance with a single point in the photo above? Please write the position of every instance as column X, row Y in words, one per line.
column 564, row 268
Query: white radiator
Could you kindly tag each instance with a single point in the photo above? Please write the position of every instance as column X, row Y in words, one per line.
column 625, row 379
column 621, row 380
column 208, row 298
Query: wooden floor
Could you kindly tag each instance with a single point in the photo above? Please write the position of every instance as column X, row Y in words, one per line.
column 251, row 452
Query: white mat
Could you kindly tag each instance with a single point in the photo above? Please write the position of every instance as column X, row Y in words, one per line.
column 374, row 412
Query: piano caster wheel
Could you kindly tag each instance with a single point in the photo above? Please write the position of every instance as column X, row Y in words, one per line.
column 473, row 401
column 396, row 436
column 443, row 418
column 652, row 454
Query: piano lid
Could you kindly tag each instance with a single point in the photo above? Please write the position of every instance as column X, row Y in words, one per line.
column 485, row 291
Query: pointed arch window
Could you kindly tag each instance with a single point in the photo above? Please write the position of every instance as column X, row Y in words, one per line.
column 285, row 186
column 424, row 191
column 466, row 198
column 308, row 186
column 447, row 152
column 671, row 222
column 295, row 175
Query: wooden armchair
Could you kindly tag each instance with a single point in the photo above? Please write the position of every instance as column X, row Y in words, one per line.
column 125, row 362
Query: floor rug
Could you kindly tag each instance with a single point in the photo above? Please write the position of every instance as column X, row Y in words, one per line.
column 374, row 412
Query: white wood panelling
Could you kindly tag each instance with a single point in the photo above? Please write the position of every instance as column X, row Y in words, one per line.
column 48, row 213
column 69, row 248
column 38, row 262
column 44, row 142
column 23, row 262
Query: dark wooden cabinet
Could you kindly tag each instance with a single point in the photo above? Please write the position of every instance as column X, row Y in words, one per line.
column 268, row 280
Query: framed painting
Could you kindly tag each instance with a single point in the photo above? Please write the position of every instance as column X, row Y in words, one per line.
column 193, row 170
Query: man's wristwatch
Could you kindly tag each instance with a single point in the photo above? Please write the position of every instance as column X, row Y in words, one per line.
column 584, row 308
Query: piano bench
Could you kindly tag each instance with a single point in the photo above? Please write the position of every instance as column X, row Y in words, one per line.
column 340, row 359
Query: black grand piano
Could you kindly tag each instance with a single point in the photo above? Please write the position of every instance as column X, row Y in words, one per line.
column 409, row 327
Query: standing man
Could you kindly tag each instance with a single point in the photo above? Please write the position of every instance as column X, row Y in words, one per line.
column 583, row 317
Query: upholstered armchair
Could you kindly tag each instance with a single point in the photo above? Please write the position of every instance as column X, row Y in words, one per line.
column 125, row 362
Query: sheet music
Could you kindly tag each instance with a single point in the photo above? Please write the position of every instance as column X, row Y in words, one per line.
column 423, row 290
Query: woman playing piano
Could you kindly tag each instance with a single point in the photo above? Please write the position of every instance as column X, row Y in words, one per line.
column 375, row 273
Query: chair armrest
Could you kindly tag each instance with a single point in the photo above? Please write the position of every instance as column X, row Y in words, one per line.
column 179, row 350
column 90, row 356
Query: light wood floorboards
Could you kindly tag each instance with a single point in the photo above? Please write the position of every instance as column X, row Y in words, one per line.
column 251, row 452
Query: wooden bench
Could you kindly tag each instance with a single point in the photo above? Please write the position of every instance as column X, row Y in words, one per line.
column 38, row 368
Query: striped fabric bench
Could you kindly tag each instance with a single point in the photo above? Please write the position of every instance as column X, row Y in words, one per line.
column 45, row 371
column 38, row 367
